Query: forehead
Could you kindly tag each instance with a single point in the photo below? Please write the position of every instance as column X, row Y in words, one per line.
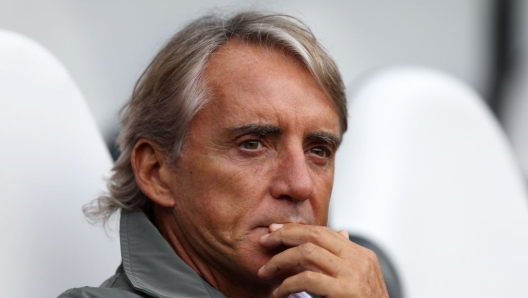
column 234, row 56
column 265, row 85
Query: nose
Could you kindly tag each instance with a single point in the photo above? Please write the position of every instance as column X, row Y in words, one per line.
column 293, row 178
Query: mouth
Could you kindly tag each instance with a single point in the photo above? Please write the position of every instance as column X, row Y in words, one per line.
column 264, row 229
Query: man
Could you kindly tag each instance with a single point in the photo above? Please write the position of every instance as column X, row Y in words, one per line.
column 227, row 165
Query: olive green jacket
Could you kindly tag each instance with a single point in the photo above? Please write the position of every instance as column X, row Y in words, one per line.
column 150, row 267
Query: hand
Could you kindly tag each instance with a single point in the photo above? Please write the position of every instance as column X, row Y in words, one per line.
column 332, row 266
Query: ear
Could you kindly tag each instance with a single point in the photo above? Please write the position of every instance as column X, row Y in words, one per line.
column 153, row 175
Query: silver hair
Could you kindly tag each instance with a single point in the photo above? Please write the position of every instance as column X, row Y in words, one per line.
column 171, row 91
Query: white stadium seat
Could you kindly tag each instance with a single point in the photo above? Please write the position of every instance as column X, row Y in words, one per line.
column 426, row 173
column 52, row 161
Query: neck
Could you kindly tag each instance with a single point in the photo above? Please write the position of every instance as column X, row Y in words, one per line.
column 229, row 283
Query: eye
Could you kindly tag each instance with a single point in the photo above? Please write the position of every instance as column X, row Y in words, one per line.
column 251, row 145
column 319, row 151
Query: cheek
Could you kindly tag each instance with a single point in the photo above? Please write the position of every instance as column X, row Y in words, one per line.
column 223, row 191
column 321, row 201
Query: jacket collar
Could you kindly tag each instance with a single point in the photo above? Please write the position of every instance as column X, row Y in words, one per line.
column 151, row 264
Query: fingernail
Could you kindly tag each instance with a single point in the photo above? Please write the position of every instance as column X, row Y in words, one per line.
column 274, row 227
column 275, row 292
column 261, row 268
column 264, row 237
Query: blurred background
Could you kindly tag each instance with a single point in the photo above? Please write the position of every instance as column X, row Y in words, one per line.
column 107, row 44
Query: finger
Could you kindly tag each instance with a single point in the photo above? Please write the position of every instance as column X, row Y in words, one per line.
column 274, row 227
column 308, row 256
column 344, row 234
column 360, row 284
column 313, row 282
column 296, row 234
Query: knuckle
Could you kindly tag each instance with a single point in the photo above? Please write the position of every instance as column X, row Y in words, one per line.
column 369, row 254
column 309, row 277
column 317, row 231
column 369, row 264
column 307, row 248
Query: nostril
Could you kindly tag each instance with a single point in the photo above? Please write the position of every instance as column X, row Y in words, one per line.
column 285, row 190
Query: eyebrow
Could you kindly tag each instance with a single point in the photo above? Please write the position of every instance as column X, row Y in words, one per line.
column 255, row 129
column 325, row 137
column 263, row 130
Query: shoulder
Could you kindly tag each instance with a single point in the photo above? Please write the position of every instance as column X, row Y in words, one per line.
column 89, row 292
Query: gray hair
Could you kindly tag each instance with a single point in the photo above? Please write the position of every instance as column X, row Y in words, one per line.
column 171, row 91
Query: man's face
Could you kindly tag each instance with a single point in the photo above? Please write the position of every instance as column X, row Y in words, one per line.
column 260, row 152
